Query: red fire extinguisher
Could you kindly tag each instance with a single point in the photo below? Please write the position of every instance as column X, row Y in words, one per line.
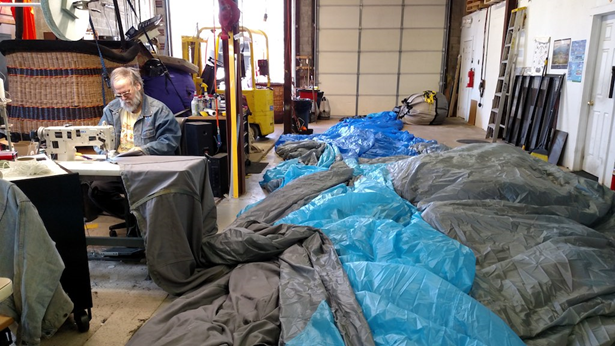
column 470, row 79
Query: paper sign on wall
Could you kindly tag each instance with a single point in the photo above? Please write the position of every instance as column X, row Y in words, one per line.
column 541, row 52
column 577, row 59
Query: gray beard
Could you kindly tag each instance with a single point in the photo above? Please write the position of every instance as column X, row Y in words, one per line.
column 132, row 105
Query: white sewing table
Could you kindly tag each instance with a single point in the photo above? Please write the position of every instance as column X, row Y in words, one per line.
column 94, row 167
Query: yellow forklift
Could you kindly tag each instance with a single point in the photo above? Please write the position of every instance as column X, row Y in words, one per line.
column 260, row 99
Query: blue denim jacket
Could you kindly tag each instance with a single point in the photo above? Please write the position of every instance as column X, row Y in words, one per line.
column 156, row 131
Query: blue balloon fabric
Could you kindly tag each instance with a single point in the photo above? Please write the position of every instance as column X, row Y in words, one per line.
column 370, row 222
column 373, row 136
column 376, row 135
column 410, row 280
column 407, row 305
column 286, row 172
column 320, row 330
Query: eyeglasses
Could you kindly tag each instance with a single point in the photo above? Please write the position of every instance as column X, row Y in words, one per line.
column 124, row 94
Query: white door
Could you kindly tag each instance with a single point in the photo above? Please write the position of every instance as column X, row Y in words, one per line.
column 597, row 160
column 463, row 104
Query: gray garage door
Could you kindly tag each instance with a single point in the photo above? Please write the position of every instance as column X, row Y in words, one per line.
column 373, row 53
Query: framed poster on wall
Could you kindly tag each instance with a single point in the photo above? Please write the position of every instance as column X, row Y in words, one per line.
column 561, row 53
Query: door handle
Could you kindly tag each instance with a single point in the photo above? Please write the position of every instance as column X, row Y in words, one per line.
column 590, row 103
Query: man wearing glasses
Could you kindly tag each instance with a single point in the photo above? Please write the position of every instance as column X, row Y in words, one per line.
column 141, row 122
column 143, row 126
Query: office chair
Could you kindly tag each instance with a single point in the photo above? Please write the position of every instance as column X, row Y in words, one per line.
column 131, row 231
column 103, row 200
column 130, row 223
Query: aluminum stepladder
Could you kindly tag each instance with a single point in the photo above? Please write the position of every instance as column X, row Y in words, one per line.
column 507, row 68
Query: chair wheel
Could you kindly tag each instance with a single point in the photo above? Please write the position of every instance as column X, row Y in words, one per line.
column 82, row 319
column 112, row 233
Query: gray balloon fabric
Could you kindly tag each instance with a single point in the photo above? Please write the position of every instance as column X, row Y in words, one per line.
column 544, row 242
column 500, row 172
column 308, row 152
column 540, row 265
column 239, row 286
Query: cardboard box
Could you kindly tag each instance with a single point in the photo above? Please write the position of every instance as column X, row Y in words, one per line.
column 22, row 148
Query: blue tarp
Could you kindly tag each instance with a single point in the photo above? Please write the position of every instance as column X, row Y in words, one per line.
column 373, row 136
column 376, row 135
column 320, row 331
column 411, row 280
column 408, row 305
column 370, row 222
column 290, row 170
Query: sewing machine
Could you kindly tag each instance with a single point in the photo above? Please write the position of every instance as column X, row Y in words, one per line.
column 62, row 141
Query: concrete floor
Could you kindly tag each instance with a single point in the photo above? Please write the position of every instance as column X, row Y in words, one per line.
column 123, row 296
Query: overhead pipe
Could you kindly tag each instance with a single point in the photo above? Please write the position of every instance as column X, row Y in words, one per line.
column 19, row 4
column 118, row 17
column 400, row 54
column 356, row 105
column 315, row 45
column 297, row 38
column 167, row 28
column 447, row 40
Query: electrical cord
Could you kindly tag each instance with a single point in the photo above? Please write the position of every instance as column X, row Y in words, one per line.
column 164, row 67
column 105, row 75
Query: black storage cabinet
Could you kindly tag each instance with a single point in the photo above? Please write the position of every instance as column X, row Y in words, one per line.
column 59, row 202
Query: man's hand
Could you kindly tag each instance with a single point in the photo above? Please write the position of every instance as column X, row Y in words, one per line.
column 136, row 151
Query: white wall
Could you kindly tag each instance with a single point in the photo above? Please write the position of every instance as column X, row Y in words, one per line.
column 489, row 61
column 473, row 30
column 560, row 19
column 569, row 19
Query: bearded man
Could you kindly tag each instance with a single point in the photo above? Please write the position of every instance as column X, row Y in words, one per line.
column 141, row 124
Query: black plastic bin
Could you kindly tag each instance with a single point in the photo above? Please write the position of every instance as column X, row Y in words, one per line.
column 302, row 111
column 311, row 94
